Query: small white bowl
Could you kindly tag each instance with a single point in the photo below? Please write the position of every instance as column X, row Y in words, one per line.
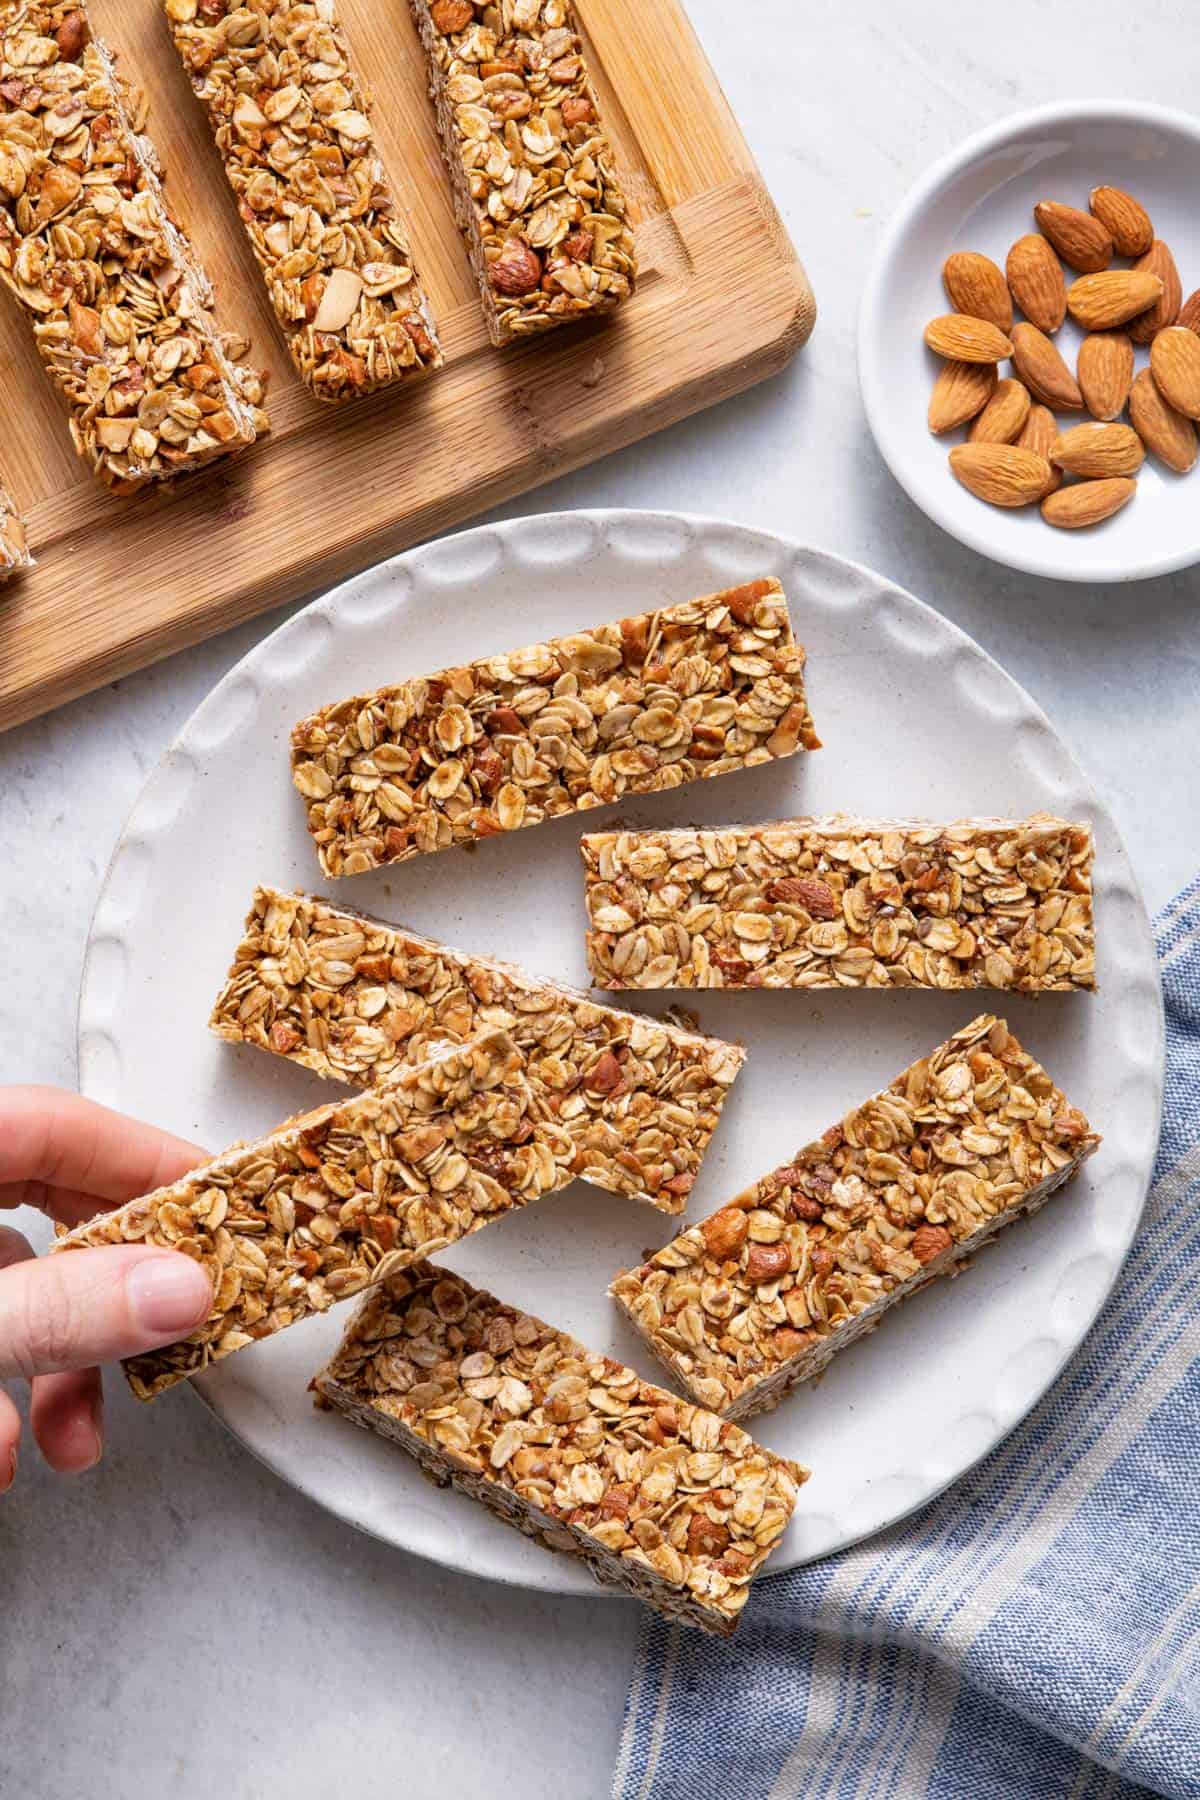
column 981, row 197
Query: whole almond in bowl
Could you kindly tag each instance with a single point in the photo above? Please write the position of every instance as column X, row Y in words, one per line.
column 1114, row 297
column 1086, row 503
column 1189, row 312
column 1125, row 219
column 1001, row 420
column 1081, row 240
column 1043, row 370
column 1165, row 432
column 1159, row 261
column 1035, row 280
column 960, row 338
column 975, row 286
column 960, row 391
column 1040, row 434
column 1104, row 368
column 1175, row 366
column 1001, row 474
column 1098, row 451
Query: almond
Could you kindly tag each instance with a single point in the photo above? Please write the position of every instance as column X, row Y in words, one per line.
column 1098, row 302
column 1175, row 365
column 1001, row 420
column 1158, row 261
column 1105, row 372
column 960, row 391
column 1098, row 451
column 517, row 270
column 1165, row 432
column 1081, row 240
column 1043, row 370
column 1001, row 474
column 1040, row 434
column 1087, row 502
column 1189, row 312
column 961, row 338
column 975, row 286
column 1125, row 219
column 1036, row 283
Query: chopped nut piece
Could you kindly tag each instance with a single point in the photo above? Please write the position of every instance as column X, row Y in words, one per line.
column 291, row 124
column 118, row 302
column 14, row 551
column 633, row 707
column 668, row 1502
column 843, row 902
column 356, row 1000
column 537, row 196
column 906, row 1188
column 343, row 1196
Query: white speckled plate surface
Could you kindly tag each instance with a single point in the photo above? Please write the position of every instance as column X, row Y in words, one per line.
column 916, row 719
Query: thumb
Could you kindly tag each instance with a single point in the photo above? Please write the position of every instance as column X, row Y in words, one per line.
column 93, row 1306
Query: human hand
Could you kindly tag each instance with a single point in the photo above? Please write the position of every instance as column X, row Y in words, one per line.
column 60, row 1316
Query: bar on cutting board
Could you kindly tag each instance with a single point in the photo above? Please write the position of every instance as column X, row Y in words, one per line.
column 118, row 303
column 905, row 1188
column 632, row 707
column 844, row 902
column 341, row 1197
column 536, row 191
column 290, row 119
column 655, row 1496
column 355, row 1000
column 14, row 550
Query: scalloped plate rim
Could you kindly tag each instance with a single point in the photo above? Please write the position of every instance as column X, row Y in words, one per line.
column 535, row 1570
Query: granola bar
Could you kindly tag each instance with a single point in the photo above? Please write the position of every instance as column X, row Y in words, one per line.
column 633, row 707
column 844, row 902
column 355, row 1000
column 536, row 191
column 657, row 1497
column 118, row 302
column 290, row 120
column 14, row 551
column 762, row 1295
column 342, row 1197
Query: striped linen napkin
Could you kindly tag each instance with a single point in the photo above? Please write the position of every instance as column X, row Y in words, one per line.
column 1034, row 1633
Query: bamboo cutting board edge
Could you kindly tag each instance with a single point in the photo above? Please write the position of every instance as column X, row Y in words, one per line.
column 724, row 304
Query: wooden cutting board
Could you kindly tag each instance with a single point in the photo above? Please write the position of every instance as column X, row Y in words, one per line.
column 722, row 303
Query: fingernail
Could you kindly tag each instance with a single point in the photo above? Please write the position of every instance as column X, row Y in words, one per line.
column 12, row 1471
column 168, row 1294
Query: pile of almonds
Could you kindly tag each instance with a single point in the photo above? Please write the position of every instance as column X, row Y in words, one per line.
column 1015, row 453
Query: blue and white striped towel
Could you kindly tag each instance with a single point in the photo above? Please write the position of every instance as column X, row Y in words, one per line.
column 1034, row 1634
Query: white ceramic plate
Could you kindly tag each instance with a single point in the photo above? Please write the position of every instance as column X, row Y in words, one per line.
column 916, row 719
column 981, row 197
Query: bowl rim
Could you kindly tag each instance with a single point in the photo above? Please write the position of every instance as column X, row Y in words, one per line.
column 871, row 374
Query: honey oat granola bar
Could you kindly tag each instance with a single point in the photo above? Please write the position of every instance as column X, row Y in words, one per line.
column 14, row 551
column 536, row 192
column 119, row 304
column 761, row 1295
column 633, row 707
column 355, row 1000
column 844, row 902
column 341, row 1197
column 290, row 120
column 661, row 1499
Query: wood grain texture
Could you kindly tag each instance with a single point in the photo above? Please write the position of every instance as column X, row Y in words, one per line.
column 722, row 303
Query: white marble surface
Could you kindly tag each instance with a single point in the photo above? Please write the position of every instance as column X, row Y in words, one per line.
column 178, row 1623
